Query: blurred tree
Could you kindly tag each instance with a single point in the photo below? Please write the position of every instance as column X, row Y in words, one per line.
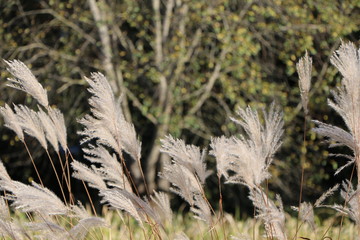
column 183, row 66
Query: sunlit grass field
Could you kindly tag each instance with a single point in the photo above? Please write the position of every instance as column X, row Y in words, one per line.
column 123, row 227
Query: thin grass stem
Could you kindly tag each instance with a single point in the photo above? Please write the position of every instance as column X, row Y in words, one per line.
column 56, row 175
column 33, row 163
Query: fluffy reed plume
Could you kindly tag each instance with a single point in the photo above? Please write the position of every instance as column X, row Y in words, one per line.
column 273, row 216
column 58, row 121
column 350, row 196
column 111, row 171
column 8, row 227
column 201, row 209
column 51, row 122
column 108, row 125
column 52, row 230
column 319, row 202
column 304, row 67
column 44, row 204
column 11, row 121
column 306, row 214
column 346, row 101
column 49, row 129
column 13, row 230
column 4, row 176
column 48, row 230
column 183, row 182
column 135, row 206
column 29, row 121
column 187, row 174
column 25, row 81
column 80, row 230
column 246, row 160
column 188, row 156
column 161, row 205
column 33, row 198
column 90, row 175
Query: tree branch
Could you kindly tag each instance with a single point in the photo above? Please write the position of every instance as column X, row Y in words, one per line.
column 207, row 91
column 167, row 20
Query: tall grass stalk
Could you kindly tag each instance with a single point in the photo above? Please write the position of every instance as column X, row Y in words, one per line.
column 304, row 67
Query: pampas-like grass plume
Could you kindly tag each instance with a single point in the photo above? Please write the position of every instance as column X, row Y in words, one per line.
column 58, row 121
column 272, row 215
column 162, row 206
column 33, row 198
column 187, row 174
column 135, row 206
column 304, row 67
column 25, row 81
column 184, row 183
column 11, row 121
column 246, row 160
column 346, row 101
column 44, row 204
column 90, row 175
column 306, row 214
column 350, row 196
column 188, row 156
column 111, row 170
column 31, row 124
column 49, row 129
column 108, row 125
